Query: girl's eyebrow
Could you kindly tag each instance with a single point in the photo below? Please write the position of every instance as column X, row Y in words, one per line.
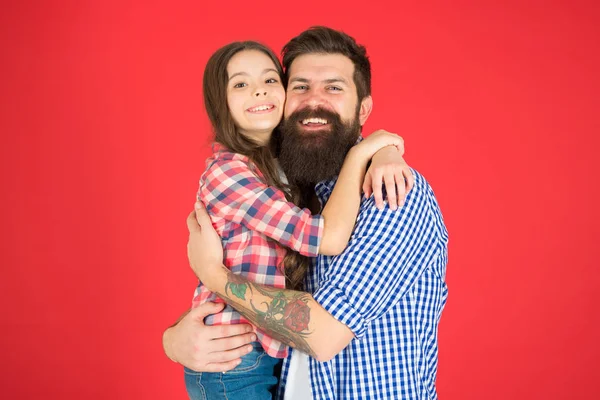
column 266, row 70
column 237, row 74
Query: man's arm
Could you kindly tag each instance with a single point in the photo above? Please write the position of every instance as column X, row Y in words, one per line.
column 205, row 348
column 386, row 255
column 289, row 316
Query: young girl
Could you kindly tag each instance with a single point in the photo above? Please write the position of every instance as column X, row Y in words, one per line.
column 266, row 237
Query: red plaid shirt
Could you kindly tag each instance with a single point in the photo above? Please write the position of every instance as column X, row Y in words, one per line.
column 254, row 220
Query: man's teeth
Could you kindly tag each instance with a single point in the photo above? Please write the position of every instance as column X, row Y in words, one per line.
column 314, row 121
column 261, row 108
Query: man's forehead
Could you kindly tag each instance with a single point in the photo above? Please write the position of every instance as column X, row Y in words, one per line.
column 321, row 66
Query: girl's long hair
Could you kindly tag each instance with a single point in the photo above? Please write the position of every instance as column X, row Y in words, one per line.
column 263, row 157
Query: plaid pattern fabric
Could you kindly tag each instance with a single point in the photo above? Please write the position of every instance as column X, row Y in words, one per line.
column 254, row 221
column 389, row 288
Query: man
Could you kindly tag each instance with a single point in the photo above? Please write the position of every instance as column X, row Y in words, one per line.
column 369, row 317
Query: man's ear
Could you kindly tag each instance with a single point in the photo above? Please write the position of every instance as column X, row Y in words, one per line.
column 366, row 106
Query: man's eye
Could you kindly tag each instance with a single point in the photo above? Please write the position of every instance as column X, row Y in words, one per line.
column 334, row 88
column 300, row 87
column 272, row 80
column 240, row 85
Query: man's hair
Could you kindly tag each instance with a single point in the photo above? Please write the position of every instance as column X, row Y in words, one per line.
column 324, row 40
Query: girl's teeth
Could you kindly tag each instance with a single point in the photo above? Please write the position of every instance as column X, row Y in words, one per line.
column 261, row 108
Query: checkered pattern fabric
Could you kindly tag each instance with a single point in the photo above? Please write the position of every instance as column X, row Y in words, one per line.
column 389, row 288
column 255, row 222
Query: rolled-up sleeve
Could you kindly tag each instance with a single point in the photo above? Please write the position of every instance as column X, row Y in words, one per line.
column 387, row 253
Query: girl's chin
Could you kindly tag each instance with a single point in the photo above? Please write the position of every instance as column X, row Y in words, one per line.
column 259, row 134
column 261, row 128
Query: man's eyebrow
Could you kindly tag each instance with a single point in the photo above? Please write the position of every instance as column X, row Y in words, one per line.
column 298, row 79
column 337, row 79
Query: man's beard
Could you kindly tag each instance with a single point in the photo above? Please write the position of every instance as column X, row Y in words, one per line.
column 309, row 157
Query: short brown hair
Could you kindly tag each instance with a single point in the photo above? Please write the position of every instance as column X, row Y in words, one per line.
column 324, row 40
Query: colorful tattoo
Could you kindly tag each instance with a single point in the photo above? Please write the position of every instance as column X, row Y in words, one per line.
column 237, row 285
column 283, row 314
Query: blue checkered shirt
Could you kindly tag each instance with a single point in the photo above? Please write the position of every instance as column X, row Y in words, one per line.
column 389, row 288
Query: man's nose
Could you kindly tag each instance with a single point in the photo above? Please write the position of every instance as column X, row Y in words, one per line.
column 314, row 99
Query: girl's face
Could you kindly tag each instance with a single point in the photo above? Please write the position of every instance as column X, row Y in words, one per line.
column 255, row 94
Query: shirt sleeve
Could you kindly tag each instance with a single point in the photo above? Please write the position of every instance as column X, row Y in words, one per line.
column 387, row 253
column 231, row 190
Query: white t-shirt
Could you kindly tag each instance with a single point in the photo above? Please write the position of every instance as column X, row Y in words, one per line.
column 297, row 385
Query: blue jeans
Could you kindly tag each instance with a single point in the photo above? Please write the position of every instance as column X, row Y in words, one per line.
column 253, row 379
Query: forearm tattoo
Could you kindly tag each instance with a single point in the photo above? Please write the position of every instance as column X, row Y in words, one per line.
column 283, row 314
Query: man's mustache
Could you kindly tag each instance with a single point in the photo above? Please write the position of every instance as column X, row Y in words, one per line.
column 318, row 112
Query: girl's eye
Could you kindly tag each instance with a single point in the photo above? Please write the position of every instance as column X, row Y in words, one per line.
column 239, row 85
column 271, row 80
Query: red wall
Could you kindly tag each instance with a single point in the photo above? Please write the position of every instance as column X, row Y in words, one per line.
column 103, row 141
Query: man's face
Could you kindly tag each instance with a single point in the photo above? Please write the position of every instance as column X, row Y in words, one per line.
column 322, row 117
column 321, row 81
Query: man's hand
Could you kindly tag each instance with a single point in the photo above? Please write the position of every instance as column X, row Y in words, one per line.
column 205, row 348
column 205, row 250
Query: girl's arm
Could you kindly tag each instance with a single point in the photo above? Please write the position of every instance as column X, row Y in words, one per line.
column 231, row 190
column 341, row 209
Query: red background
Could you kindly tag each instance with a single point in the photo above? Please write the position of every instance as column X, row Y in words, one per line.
column 104, row 138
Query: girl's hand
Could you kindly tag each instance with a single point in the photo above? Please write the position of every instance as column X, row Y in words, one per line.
column 377, row 141
column 388, row 166
column 205, row 250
